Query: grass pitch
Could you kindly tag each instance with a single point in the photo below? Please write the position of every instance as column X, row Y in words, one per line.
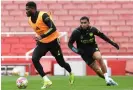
column 61, row 83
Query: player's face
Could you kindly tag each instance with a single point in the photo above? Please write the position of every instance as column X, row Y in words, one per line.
column 28, row 11
column 84, row 23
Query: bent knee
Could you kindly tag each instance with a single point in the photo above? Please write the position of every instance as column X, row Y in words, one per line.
column 98, row 57
column 35, row 59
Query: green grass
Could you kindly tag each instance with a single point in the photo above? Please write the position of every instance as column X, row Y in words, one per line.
column 61, row 83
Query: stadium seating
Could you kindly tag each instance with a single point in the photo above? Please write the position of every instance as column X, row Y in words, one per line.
column 113, row 18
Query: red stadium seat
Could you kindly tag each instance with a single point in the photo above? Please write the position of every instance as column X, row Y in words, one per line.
column 113, row 18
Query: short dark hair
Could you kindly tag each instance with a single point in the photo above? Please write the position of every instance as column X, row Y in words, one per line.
column 31, row 4
column 84, row 17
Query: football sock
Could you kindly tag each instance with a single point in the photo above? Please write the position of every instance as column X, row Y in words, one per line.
column 106, row 77
column 45, row 78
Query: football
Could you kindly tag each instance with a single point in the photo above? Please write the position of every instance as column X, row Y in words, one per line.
column 22, row 82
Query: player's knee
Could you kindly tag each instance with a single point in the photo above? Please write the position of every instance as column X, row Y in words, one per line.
column 100, row 61
column 98, row 58
column 35, row 59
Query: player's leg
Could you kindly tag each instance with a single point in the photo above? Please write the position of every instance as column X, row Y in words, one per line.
column 97, row 56
column 97, row 69
column 92, row 63
column 57, row 53
column 38, row 52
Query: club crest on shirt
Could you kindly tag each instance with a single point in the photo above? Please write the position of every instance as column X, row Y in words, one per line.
column 91, row 34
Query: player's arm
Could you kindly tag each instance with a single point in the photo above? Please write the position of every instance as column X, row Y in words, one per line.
column 74, row 36
column 104, row 37
column 49, row 23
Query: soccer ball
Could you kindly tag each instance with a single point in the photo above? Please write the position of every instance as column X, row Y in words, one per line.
column 22, row 82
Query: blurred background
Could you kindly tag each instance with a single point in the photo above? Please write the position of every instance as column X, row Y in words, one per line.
column 114, row 18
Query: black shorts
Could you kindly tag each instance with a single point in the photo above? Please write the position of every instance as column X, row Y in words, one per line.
column 88, row 54
column 42, row 48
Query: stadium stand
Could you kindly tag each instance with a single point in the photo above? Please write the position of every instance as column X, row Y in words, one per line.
column 114, row 18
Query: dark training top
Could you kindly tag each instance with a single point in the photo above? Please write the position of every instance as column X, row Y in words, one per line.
column 85, row 38
column 47, row 21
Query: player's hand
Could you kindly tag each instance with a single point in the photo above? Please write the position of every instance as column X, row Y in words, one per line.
column 116, row 46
